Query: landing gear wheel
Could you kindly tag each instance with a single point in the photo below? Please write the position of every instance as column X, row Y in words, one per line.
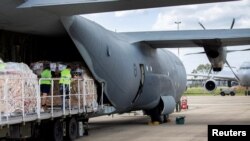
column 163, row 118
column 157, row 117
column 57, row 133
column 71, row 129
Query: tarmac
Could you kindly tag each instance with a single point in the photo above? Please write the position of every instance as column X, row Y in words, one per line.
column 202, row 111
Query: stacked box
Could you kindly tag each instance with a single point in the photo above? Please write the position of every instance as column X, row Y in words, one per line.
column 79, row 73
column 19, row 87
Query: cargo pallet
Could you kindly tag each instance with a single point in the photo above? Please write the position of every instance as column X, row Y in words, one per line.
column 56, row 123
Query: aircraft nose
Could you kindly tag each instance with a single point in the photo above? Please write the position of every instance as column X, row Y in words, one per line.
column 245, row 79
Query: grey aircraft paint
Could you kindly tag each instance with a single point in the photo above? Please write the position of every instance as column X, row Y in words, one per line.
column 137, row 73
column 113, row 60
column 244, row 74
column 42, row 17
column 217, row 56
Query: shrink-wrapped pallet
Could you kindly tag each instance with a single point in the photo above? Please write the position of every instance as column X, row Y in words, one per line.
column 18, row 89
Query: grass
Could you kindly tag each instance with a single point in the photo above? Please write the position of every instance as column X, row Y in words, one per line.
column 200, row 91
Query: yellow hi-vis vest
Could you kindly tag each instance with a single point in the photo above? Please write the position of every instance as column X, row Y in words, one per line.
column 65, row 77
column 2, row 66
column 46, row 74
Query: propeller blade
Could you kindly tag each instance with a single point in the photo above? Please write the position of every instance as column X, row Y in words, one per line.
column 246, row 49
column 210, row 70
column 195, row 53
column 232, row 25
column 202, row 25
column 232, row 71
column 231, row 67
column 229, row 51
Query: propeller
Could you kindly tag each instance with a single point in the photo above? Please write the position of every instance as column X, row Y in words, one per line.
column 232, row 71
column 232, row 25
column 202, row 25
column 231, row 67
column 229, row 51
column 210, row 71
column 198, row 52
column 195, row 53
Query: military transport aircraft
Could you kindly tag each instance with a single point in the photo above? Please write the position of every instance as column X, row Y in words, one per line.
column 242, row 76
column 136, row 72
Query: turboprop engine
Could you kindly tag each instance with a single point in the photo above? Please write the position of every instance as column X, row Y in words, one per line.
column 210, row 85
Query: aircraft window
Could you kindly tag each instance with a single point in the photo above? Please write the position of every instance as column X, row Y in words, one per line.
column 151, row 68
column 147, row 68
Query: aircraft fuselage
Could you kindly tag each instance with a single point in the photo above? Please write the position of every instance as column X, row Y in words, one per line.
column 244, row 74
column 135, row 75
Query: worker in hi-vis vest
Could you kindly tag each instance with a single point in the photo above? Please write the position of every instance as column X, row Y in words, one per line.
column 2, row 65
column 64, row 82
column 45, row 85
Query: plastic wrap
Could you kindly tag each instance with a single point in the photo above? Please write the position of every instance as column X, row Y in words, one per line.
column 18, row 88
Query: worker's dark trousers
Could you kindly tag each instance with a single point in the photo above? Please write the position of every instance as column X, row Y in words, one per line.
column 64, row 92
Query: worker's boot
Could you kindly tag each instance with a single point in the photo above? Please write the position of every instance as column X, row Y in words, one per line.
column 44, row 108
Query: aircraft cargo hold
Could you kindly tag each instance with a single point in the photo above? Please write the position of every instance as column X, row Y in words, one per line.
column 20, row 90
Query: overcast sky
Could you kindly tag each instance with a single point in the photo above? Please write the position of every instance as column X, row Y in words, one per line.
column 213, row 16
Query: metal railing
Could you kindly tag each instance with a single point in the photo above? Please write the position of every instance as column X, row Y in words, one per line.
column 17, row 95
column 23, row 99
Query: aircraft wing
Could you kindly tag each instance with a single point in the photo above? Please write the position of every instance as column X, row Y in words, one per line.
column 73, row 7
column 192, row 38
column 224, row 77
